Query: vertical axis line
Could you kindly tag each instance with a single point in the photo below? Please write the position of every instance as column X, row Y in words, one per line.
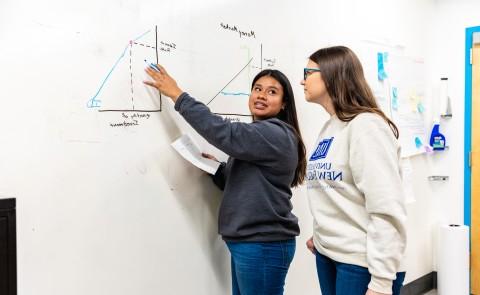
column 261, row 57
column 156, row 53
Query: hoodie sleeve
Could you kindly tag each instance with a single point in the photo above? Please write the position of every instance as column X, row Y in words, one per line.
column 260, row 141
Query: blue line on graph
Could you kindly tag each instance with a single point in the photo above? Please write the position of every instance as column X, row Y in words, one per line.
column 235, row 93
column 94, row 102
column 141, row 36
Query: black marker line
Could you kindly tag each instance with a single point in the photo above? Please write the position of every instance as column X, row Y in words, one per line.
column 231, row 81
column 261, row 57
column 156, row 53
column 156, row 43
column 139, row 111
column 144, row 45
column 239, row 115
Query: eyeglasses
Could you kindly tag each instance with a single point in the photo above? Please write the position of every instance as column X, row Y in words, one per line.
column 308, row 71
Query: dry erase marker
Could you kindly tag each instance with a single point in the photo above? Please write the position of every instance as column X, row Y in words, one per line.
column 152, row 66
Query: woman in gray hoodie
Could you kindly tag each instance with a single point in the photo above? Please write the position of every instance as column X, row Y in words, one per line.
column 267, row 158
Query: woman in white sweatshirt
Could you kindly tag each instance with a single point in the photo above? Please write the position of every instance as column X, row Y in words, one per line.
column 354, row 182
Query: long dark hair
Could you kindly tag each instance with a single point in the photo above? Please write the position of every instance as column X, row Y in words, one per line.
column 345, row 82
column 289, row 115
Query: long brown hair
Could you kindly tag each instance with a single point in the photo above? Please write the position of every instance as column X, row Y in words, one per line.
column 289, row 116
column 345, row 82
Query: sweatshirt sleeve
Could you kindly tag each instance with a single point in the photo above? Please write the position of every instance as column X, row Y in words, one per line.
column 256, row 142
column 374, row 159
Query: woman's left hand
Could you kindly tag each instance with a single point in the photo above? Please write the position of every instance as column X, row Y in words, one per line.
column 310, row 245
column 370, row 292
column 163, row 82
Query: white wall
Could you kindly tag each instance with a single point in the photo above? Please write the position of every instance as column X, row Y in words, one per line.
column 446, row 57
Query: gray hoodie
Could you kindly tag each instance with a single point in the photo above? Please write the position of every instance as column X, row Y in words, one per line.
column 256, row 179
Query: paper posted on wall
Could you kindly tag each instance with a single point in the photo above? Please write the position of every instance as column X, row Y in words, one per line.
column 190, row 152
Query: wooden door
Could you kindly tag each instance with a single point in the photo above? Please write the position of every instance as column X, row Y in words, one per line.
column 475, row 166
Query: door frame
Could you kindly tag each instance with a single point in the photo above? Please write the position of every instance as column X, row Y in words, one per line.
column 468, row 127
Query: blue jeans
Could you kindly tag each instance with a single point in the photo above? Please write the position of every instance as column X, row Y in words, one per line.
column 346, row 279
column 260, row 268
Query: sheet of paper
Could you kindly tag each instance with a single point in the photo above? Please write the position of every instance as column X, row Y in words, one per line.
column 190, row 152
column 407, row 180
column 412, row 133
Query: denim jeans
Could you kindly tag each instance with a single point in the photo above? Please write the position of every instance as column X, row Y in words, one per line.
column 260, row 268
column 346, row 279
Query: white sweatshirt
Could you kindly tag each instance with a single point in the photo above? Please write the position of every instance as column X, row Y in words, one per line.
column 356, row 197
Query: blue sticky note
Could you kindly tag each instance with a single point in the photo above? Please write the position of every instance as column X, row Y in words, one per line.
column 385, row 57
column 395, row 98
column 418, row 142
column 395, row 92
column 420, row 108
column 382, row 75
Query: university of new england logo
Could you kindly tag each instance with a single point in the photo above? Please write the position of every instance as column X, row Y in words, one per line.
column 322, row 149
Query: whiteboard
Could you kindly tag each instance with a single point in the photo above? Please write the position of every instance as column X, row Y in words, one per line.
column 105, row 205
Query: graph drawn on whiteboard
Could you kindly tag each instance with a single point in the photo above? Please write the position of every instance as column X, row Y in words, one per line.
column 231, row 101
column 227, row 89
column 122, row 89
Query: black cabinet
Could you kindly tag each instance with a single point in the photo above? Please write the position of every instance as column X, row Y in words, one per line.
column 8, row 248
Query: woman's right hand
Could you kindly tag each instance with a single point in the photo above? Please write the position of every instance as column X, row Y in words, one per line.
column 163, row 82
column 208, row 156
column 310, row 245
